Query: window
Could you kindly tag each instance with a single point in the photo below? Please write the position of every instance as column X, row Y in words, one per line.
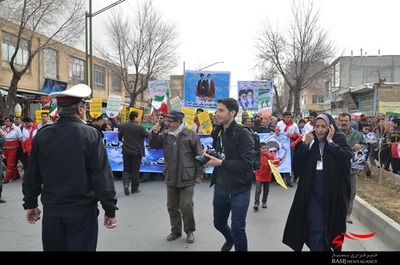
column 76, row 70
column 99, row 73
column 8, row 49
column 50, row 64
column 115, row 82
column 317, row 99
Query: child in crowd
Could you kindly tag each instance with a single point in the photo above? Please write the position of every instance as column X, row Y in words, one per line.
column 268, row 151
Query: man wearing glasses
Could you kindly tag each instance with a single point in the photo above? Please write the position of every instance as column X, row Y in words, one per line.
column 181, row 171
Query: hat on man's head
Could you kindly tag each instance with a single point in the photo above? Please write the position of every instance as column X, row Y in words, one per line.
column 176, row 115
column 74, row 94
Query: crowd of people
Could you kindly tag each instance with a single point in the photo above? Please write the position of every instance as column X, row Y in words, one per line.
column 18, row 135
column 322, row 149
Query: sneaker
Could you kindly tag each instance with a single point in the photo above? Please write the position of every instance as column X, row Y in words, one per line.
column 136, row 191
column 264, row 205
column 2, row 201
column 5, row 181
column 289, row 184
column 255, row 207
column 348, row 219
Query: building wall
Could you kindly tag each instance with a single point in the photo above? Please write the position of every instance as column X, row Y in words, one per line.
column 34, row 78
column 357, row 70
column 176, row 86
column 309, row 93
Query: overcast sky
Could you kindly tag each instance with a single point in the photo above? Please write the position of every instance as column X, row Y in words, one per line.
column 224, row 30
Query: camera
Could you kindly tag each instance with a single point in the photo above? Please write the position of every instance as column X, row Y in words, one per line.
column 203, row 159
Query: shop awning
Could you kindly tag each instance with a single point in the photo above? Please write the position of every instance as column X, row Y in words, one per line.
column 5, row 93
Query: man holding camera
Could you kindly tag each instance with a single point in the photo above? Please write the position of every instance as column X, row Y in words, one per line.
column 232, row 175
column 181, row 171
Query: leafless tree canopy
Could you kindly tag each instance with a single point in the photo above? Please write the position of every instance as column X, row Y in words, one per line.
column 143, row 45
column 58, row 20
column 300, row 53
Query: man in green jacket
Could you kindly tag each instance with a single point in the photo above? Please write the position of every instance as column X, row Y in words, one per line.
column 357, row 142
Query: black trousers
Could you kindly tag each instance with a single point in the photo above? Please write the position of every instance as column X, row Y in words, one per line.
column 131, row 171
column 70, row 233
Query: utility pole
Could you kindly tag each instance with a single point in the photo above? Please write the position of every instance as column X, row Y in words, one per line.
column 88, row 40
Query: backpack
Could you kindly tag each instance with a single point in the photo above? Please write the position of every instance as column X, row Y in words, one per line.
column 256, row 138
column 256, row 148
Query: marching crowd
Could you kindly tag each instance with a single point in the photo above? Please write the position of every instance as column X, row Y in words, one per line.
column 321, row 150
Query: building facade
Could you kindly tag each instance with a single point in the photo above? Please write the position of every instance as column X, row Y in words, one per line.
column 60, row 63
column 363, row 84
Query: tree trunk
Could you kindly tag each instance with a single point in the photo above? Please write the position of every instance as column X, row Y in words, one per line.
column 296, row 94
column 8, row 108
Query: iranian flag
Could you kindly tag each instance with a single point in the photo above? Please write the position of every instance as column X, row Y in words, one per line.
column 159, row 93
column 53, row 109
column 52, row 105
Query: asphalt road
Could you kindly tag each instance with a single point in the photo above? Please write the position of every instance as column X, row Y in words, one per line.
column 143, row 223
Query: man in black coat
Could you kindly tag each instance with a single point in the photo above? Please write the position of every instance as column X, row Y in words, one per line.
column 132, row 134
column 69, row 169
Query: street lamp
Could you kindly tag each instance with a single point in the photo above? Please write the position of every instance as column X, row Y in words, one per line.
column 209, row 65
column 89, row 43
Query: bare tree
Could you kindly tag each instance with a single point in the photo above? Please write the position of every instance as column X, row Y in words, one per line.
column 60, row 21
column 143, row 46
column 300, row 53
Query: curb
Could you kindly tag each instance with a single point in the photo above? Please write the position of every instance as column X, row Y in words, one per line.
column 385, row 227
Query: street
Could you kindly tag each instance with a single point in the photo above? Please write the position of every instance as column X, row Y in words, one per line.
column 143, row 223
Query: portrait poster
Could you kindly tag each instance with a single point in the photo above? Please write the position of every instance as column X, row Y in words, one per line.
column 50, row 86
column 255, row 96
column 359, row 159
column 370, row 138
column 203, row 88
column 283, row 143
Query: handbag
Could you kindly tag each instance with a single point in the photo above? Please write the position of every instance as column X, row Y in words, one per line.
column 395, row 150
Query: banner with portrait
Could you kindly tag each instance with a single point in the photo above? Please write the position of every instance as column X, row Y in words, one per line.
column 359, row 159
column 203, row 88
column 255, row 96
column 153, row 161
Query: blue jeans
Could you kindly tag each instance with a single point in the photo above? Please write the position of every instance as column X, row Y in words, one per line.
column 286, row 177
column 223, row 205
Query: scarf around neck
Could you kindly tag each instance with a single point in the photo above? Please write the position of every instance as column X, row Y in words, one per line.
column 177, row 131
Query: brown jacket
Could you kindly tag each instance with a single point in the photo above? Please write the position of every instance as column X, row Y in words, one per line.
column 180, row 166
